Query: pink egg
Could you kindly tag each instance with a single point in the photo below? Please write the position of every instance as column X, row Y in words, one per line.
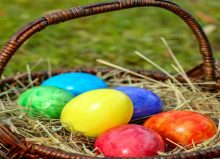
column 129, row 141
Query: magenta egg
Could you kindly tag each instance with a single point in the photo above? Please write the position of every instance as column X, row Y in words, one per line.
column 129, row 141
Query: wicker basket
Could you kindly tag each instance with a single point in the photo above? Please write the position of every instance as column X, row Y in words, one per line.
column 19, row 148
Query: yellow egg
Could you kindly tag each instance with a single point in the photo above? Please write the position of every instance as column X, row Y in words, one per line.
column 96, row 111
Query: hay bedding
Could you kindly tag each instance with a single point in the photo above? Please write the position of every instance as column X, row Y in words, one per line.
column 175, row 95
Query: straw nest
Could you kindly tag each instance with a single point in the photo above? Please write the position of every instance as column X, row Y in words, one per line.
column 175, row 96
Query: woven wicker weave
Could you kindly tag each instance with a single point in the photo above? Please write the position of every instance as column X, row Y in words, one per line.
column 19, row 148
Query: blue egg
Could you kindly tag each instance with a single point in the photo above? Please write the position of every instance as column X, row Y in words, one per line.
column 145, row 101
column 75, row 82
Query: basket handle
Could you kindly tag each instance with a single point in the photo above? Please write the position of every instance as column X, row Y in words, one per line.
column 54, row 18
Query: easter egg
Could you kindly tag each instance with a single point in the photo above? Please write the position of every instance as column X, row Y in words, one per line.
column 182, row 127
column 95, row 111
column 130, row 141
column 75, row 82
column 145, row 101
column 44, row 101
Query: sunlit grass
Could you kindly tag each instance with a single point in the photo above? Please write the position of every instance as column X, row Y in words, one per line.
column 111, row 36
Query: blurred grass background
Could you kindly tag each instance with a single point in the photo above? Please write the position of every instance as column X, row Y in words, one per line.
column 111, row 36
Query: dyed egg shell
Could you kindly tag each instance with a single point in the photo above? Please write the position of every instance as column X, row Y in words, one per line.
column 44, row 101
column 95, row 111
column 145, row 101
column 75, row 82
column 182, row 127
column 130, row 141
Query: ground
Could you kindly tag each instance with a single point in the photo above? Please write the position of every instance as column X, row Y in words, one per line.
column 112, row 36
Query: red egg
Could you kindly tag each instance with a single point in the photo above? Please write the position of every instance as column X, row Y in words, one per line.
column 182, row 127
column 130, row 141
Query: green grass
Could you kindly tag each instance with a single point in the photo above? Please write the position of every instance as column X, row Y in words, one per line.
column 111, row 36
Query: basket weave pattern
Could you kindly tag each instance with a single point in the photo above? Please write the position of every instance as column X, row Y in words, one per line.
column 18, row 148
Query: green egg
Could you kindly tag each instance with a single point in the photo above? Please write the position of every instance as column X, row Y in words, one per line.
column 44, row 101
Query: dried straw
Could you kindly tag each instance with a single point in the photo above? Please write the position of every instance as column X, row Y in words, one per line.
column 175, row 96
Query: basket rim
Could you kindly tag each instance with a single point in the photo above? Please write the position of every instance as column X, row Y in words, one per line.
column 16, row 41
column 18, row 146
column 157, row 75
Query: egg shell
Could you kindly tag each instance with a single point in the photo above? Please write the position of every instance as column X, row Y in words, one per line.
column 145, row 101
column 130, row 141
column 75, row 82
column 95, row 111
column 46, row 101
column 182, row 127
